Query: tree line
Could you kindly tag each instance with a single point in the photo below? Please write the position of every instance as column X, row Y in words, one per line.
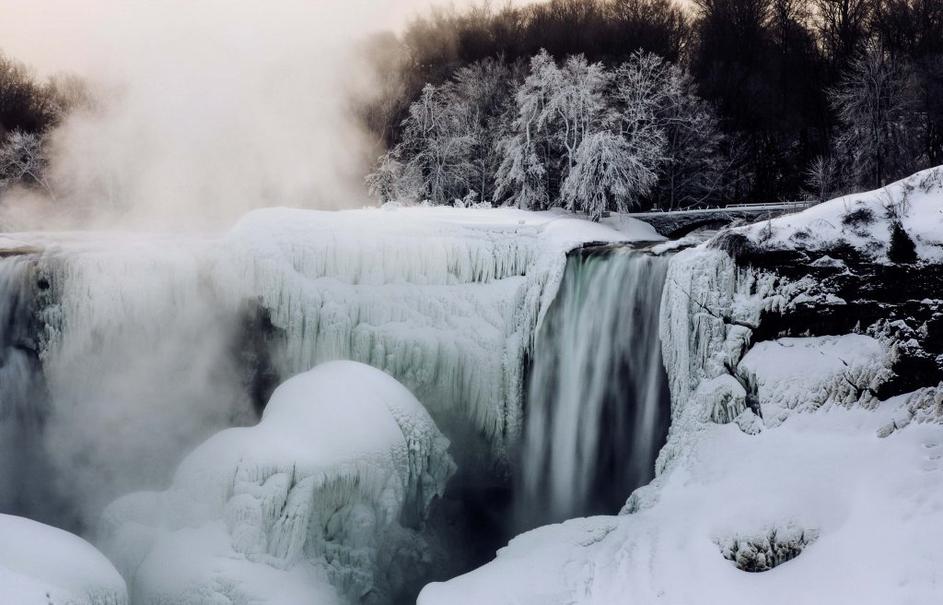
column 639, row 103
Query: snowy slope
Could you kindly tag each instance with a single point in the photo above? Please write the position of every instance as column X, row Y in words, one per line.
column 866, row 513
column 41, row 565
column 864, row 220
column 324, row 498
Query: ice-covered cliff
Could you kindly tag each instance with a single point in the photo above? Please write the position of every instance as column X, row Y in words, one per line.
column 805, row 455
column 325, row 498
column 136, row 347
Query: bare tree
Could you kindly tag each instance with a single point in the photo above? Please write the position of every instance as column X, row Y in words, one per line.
column 23, row 160
column 879, row 131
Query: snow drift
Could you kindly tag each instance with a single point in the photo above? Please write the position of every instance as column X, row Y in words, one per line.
column 41, row 565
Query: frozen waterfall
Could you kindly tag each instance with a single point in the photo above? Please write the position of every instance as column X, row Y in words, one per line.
column 597, row 399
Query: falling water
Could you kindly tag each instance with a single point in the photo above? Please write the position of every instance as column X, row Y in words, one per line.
column 597, row 399
column 24, row 485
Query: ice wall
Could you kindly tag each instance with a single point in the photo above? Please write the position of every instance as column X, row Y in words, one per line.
column 140, row 339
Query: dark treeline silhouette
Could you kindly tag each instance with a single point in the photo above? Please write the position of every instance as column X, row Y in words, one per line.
column 782, row 76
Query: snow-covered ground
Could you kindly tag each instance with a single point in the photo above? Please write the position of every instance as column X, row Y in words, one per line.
column 322, row 501
column 42, row 565
column 866, row 512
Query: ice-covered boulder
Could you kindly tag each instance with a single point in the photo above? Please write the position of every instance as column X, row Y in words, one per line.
column 325, row 497
column 42, row 565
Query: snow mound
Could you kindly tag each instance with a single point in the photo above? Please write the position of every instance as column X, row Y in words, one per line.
column 327, row 493
column 865, row 221
column 41, row 565
column 807, row 373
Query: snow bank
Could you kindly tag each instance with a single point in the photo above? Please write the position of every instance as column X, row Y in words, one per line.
column 864, row 220
column 802, row 374
column 330, row 489
column 41, row 565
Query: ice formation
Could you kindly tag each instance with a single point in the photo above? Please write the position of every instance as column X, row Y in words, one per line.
column 41, row 565
column 328, row 493
column 142, row 352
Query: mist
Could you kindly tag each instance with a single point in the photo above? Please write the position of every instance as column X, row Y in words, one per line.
column 203, row 110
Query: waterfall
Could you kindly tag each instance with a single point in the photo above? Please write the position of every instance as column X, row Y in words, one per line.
column 23, row 396
column 597, row 398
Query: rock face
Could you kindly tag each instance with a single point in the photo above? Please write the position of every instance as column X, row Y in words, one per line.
column 325, row 498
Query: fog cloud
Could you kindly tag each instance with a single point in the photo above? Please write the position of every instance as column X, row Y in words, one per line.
column 206, row 109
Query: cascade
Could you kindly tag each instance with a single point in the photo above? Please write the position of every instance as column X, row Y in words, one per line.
column 598, row 402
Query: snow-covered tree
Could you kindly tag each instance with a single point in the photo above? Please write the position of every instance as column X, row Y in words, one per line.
column 577, row 106
column 879, row 127
column 483, row 95
column 821, row 178
column 392, row 181
column 433, row 161
column 523, row 178
column 558, row 107
column 608, row 175
column 23, row 160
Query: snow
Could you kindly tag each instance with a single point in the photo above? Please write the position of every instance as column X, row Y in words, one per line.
column 915, row 201
column 806, row 373
column 871, row 510
column 41, row 565
column 340, row 471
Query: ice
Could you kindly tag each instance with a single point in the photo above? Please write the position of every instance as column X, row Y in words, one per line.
column 41, row 565
column 338, row 475
column 445, row 300
column 142, row 335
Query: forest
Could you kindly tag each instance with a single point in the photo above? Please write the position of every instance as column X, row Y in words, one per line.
column 600, row 105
